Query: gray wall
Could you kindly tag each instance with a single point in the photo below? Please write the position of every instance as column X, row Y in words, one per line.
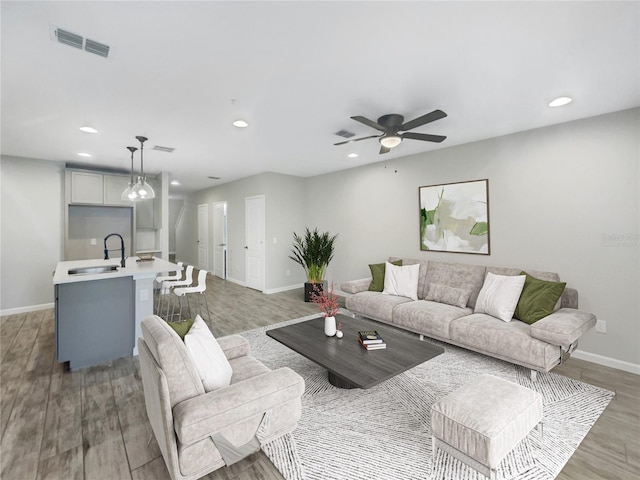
column 31, row 223
column 563, row 198
column 284, row 207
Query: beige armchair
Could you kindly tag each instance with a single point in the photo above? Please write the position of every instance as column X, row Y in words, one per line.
column 200, row 432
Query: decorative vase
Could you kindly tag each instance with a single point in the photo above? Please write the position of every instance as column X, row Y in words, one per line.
column 329, row 326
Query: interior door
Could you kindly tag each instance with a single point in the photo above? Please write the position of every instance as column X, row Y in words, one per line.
column 220, row 239
column 203, row 231
column 254, row 237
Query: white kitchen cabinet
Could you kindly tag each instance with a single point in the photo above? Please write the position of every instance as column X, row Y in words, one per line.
column 87, row 187
column 114, row 185
column 146, row 211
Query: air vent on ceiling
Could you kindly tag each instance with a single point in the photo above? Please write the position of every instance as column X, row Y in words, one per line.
column 214, row 178
column 163, row 149
column 77, row 41
column 92, row 46
column 69, row 38
column 345, row 133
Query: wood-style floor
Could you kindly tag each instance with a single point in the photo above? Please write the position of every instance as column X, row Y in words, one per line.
column 91, row 424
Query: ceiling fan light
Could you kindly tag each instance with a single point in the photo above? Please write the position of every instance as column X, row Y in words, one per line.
column 390, row 141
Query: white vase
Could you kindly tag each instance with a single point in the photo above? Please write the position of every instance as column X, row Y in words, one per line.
column 329, row 326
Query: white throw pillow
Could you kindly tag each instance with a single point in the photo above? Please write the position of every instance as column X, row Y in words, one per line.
column 207, row 356
column 499, row 295
column 402, row 281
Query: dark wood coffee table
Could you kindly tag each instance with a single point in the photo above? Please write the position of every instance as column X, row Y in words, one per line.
column 348, row 363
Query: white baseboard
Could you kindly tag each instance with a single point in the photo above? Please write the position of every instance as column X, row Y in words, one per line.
column 29, row 308
column 237, row 282
column 607, row 361
column 283, row 289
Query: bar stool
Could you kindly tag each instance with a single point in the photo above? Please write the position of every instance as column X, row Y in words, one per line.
column 201, row 288
column 160, row 289
column 171, row 284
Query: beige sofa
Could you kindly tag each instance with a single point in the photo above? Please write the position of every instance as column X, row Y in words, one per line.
column 540, row 346
column 200, row 432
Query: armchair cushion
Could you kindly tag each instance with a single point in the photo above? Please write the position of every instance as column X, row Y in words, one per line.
column 200, row 417
column 563, row 327
column 207, row 356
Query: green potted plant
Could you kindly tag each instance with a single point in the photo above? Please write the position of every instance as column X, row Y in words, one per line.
column 314, row 251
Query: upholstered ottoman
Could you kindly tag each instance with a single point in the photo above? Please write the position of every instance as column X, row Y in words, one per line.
column 482, row 421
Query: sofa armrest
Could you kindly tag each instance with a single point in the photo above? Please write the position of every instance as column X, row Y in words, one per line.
column 234, row 346
column 356, row 286
column 202, row 416
column 563, row 327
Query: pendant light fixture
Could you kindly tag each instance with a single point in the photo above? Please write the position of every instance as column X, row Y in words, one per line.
column 142, row 189
column 128, row 193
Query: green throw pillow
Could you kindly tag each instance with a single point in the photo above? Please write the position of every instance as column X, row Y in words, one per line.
column 377, row 272
column 181, row 328
column 538, row 299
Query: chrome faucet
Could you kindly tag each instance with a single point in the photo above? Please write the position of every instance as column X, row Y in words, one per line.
column 106, row 251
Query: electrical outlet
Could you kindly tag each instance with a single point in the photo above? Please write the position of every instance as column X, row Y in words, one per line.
column 601, row 326
column 288, row 272
column 94, row 241
column 144, row 295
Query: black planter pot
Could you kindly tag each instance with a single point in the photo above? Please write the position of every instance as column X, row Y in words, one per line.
column 309, row 289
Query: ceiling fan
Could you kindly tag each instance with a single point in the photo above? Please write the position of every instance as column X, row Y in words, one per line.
column 391, row 125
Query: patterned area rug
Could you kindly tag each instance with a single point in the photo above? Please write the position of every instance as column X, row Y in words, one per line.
column 384, row 433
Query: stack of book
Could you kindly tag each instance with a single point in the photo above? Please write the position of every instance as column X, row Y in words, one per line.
column 371, row 340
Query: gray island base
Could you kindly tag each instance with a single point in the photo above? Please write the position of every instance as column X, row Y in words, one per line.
column 98, row 309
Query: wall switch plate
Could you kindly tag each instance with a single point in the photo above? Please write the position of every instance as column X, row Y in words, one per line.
column 601, row 326
column 144, row 295
column 94, row 241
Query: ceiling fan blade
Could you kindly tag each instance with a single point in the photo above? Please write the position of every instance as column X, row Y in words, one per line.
column 424, row 119
column 369, row 123
column 384, row 149
column 358, row 139
column 423, row 136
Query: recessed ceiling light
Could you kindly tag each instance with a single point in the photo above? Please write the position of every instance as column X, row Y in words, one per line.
column 352, row 155
column 240, row 124
column 560, row 101
column 85, row 155
column 88, row 130
column 175, row 182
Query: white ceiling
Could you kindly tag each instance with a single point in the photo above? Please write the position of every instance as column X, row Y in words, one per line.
column 297, row 71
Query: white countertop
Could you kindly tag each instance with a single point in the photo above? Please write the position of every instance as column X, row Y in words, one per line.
column 133, row 268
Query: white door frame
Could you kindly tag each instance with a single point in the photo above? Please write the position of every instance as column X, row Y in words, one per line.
column 220, row 241
column 203, row 236
column 254, row 259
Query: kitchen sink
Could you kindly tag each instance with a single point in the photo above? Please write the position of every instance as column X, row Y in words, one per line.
column 93, row 270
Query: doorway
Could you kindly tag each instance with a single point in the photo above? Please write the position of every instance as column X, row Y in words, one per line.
column 254, row 237
column 203, row 232
column 220, row 239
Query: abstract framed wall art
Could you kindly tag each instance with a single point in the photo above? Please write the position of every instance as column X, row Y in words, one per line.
column 454, row 217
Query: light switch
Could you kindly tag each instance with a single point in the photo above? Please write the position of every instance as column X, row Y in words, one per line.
column 93, row 241
column 144, row 295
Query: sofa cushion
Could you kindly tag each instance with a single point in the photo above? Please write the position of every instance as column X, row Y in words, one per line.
column 377, row 275
column 457, row 275
column 508, row 341
column 499, row 295
column 374, row 305
column 449, row 295
column 422, row 277
column 181, row 328
column 538, row 299
column 169, row 352
column 207, row 356
column 428, row 318
column 401, row 280
column 563, row 327
column 539, row 274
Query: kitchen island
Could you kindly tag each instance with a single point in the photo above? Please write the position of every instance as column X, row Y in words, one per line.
column 100, row 305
